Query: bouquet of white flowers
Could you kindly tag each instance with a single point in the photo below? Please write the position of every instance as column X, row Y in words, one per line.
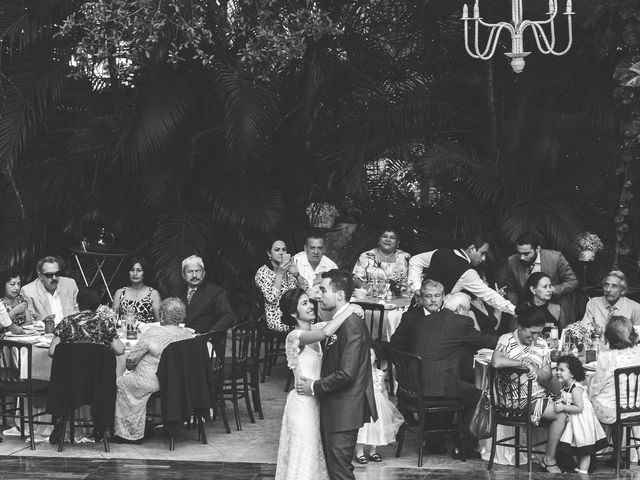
column 579, row 330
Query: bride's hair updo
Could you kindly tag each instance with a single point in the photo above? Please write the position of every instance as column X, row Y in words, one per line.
column 289, row 306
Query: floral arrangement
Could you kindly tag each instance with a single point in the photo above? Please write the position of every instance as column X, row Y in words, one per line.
column 105, row 314
column 321, row 211
column 579, row 330
column 589, row 241
column 398, row 275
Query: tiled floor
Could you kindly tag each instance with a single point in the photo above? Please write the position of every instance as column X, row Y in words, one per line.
column 250, row 454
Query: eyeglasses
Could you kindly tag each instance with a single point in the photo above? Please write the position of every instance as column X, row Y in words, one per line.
column 50, row 275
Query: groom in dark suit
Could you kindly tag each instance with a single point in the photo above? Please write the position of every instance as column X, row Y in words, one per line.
column 207, row 305
column 346, row 386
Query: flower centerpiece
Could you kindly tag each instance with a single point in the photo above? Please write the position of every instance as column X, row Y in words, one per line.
column 106, row 314
column 397, row 280
column 322, row 214
column 579, row 333
column 588, row 245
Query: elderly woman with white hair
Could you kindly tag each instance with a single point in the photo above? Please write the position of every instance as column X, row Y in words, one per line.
column 613, row 302
column 140, row 380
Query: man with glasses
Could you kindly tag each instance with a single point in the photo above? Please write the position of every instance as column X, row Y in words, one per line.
column 51, row 296
column 207, row 305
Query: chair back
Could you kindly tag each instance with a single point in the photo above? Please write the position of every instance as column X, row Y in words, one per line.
column 373, row 312
column 510, row 391
column 15, row 363
column 217, row 348
column 83, row 374
column 242, row 340
column 627, row 391
column 408, row 371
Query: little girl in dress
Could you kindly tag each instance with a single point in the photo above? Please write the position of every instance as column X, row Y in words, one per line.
column 382, row 431
column 583, row 436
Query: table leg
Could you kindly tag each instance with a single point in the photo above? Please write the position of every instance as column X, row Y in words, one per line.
column 81, row 270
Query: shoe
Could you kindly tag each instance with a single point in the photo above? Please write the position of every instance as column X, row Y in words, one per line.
column 550, row 468
column 362, row 460
column 374, row 457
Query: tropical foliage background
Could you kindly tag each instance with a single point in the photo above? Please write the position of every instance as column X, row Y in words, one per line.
column 207, row 126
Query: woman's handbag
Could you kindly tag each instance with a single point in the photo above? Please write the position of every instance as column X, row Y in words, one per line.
column 482, row 420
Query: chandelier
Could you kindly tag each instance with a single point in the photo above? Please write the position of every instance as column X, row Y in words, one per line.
column 546, row 41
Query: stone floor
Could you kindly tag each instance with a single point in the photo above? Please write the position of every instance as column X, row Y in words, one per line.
column 252, row 452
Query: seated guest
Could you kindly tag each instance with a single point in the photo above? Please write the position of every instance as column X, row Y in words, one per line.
column 540, row 293
column 624, row 351
column 386, row 256
column 90, row 325
column 430, row 298
column 139, row 299
column 17, row 308
column 612, row 303
column 51, row 296
column 137, row 385
column 526, row 348
column 275, row 277
column 312, row 262
column 531, row 258
column 441, row 339
column 207, row 305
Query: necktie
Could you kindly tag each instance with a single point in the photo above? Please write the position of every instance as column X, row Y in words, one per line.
column 190, row 294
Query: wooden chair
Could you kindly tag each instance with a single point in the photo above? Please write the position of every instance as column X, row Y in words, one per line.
column 218, row 342
column 236, row 375
column 273, row 347
column 373, row 311
column 253, row 366
column 510, row 393
column 627, row 413
column 408, row 370
column 16, row 382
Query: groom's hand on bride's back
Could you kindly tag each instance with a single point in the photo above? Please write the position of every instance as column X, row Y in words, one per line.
column 304, row 386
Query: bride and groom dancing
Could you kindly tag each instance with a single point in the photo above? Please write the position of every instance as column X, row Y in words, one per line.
column 334, row 394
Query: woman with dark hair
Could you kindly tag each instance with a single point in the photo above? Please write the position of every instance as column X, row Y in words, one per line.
column 386, row 256
column 300, row 453
column 624, row 351
column 138, row 298
column 539, row 291
column 278, row 275
column 16, row 305
column 527, row 349
column 90, row 325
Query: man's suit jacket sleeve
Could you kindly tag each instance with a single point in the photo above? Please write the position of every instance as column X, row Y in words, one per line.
column 224, row 314
column 401, row 338
column 512, row 287
column 353, row 333
column 472, row 337
column 568, row 280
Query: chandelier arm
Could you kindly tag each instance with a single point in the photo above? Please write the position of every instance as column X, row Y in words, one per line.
column 570, row 31
column 538, row 32
column 466, row 42
column 494, row 35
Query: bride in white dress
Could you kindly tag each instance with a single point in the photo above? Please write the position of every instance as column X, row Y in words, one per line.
column 300, row 454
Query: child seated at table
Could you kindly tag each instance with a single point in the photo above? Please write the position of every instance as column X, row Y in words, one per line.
column 583, row 436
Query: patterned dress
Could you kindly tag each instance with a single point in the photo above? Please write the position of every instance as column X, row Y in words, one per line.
column 538, row 352
column 18, row 318
column 367, row 262
column 143, row 308
column 136, row 386
column 86, row 327
column 265, row 280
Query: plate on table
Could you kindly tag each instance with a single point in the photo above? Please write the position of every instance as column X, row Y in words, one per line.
column 42, row 345
column 591, row 366
column 485, row 351
column 389, row 306
column 21, row 335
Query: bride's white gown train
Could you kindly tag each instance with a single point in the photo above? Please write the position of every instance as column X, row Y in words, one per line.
column 300, row 455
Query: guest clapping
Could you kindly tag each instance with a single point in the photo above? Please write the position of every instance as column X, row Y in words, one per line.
column 275, row 277
column 138, row 298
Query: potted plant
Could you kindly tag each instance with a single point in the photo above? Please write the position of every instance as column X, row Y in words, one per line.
column 588, row 245
column 322, row 214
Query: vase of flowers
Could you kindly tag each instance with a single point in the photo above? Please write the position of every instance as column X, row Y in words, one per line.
column 588, row 245
column 322, row 214
column 397, row 281
column 580, row 333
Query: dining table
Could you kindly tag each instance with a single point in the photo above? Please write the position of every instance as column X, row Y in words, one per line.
column 394, row 309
